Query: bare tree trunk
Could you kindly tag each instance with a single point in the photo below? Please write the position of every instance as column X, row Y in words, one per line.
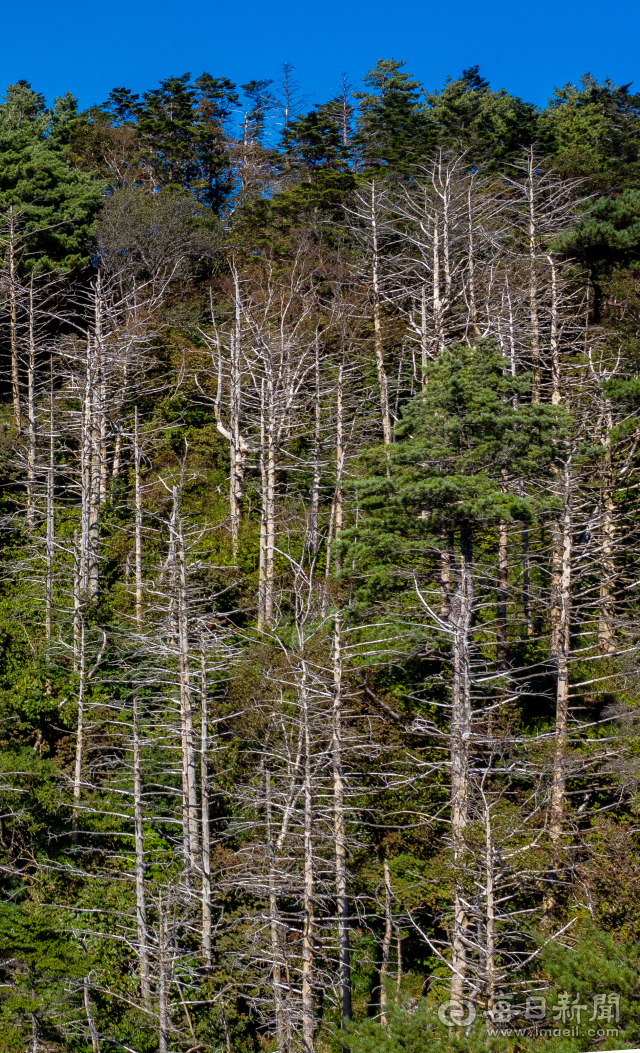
column 446, row 563
column 95, row 1040
column 85, row 472
column 77, row 779
column 554, row 337
column 308, row 1021
column 502, row 595
column 386, row 942
column 471, row 262
column 315, row 482
column 534, row 317
column 339, row 820
column 13, row 322
column 437, row 302
column 262, row 566
column 424, row 339
column 186, row 709
column 270, row 507
column 50, row 526
column 490, row 978
column 377, row 324
column 268, row 499
column 526, row 574
column 138, row 518
column 204, row 807
column 606, row 623
column 460, row 617
column 100, row 395
column 276, row 953
column 77, row 612
column 336, row 516
column 174, row 620
column 445, row 197
column 238, row 445
column 560, row 651
column 93, row 534
column 339, row 491
column 117, row 449
column 31, row 417
column 35, row 1044
column 141, row 908
column 163, row 985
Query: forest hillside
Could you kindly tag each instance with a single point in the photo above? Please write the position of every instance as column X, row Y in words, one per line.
column 319, row 676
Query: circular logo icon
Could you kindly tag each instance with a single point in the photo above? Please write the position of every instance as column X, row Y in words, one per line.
column 456, row 1013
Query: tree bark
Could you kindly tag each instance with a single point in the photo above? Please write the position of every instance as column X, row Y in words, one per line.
column 490, row 970
column 386, row 943
column 204, row 806
column 606, row 621
column 534, row 317
column 141, row 908
column 502, row 595
column 163, row 986
column 268, row 494
column 31, row 417
column 186, row 708
column 274, row 926
column 77, row 779
column 13, row 322
column 560, row 652
column 308, row 1021
column 339, row 819
column 138, row 518
column 383, row 383
column 460, row 619
column 314, row 500
column 554, row 337
column 95, row 1039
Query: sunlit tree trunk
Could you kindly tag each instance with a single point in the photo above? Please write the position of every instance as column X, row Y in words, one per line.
column 141, row 908
column 386, row 942
column 534, row 315
column 13, row 321
column 383, row 384
column 137, row 458
column 560, row 652
column 340, row 830
column 308, row 1020
column 31, row 417
column 460, row 619
column 274, row 926
column 204, row 807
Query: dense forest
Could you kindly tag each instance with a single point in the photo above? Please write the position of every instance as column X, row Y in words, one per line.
column 320, row 563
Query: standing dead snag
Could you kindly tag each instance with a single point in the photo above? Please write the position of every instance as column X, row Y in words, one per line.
column 342, row 901
column 141, row 908
column 31, row 415
column 274, row 925
column 460, row 620
column 386, row 942
column 383, row 384
column 12, row 245
column 137, row 458
column 180, row 619
column 204, row 805
column 561, row 588
column 308, row 935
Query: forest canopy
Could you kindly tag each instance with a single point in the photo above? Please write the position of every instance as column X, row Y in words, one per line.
column 320, row 592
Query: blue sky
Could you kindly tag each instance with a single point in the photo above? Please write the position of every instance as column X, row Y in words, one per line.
column 88, row 48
